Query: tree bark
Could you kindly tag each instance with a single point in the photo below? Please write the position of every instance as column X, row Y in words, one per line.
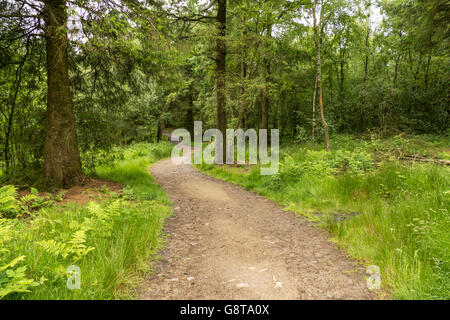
column 241, row 115
column 159, row 132
column 341, row 86
column 366, row 71
column 62, row 164
column 265, row 92
column 428, row 67
column 221, row 53
column 319, row 76
column 394, row 86
column 313, row 133
column 17, row 83
column 190, row 116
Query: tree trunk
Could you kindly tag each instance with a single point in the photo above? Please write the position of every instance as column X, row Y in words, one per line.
column 394, row 86
column 17, row 83
column 265, row 92
column 62, row 164
column 319, row 76
column 159, row 132
column 313, row 133
column 428, row 67
column 221, row 53
column 366, row 70
column 190, row 116
column 264, row 108
column 241, row 115
column 341, row 89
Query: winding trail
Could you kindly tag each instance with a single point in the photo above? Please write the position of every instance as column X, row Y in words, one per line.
column 227, row 243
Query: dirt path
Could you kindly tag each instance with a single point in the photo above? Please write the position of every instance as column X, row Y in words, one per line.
column 227, row 243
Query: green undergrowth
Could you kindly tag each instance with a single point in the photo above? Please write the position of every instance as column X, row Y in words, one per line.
column 381, row 210
column 110, row 241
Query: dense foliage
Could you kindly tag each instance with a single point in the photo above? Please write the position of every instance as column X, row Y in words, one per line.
column 86, row 85
column 106, row 239
column 136, row 67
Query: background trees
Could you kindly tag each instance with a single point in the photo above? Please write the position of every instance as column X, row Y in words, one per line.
column 133, row 68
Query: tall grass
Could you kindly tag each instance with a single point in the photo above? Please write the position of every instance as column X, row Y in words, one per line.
column 120, row 235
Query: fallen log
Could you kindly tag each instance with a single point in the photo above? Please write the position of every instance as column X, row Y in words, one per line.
column 417, row 159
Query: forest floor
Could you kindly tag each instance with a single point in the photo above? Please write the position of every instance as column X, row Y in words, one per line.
column 228, row 243
column 92, row 189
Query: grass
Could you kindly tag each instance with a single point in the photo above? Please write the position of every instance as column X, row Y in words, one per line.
column 388, row 213
column 110, row 241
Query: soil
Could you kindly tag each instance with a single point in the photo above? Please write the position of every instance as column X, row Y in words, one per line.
column 227, row 243
column 90, row 190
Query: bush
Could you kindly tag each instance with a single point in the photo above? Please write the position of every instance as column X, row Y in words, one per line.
column 12, row 207
column 356, row 162
column 106, row 240
column 93, row 158
column 320, row 164
column 9, row 206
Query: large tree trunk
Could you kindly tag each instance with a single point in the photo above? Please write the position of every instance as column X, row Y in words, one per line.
column 221, row 53
column 319, row 76
column 62, row 164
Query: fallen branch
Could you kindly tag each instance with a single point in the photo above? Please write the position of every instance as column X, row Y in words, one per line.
column 440, row 161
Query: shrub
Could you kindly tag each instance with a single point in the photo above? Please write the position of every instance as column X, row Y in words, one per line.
column 320, row 164
column 106, row 240
column 9, row 206
column 93, row 158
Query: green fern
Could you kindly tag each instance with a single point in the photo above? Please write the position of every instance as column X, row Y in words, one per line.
column 33, row 202
column 101, row 219
column 9, row 205
column 75, row 248
column 15, row 280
